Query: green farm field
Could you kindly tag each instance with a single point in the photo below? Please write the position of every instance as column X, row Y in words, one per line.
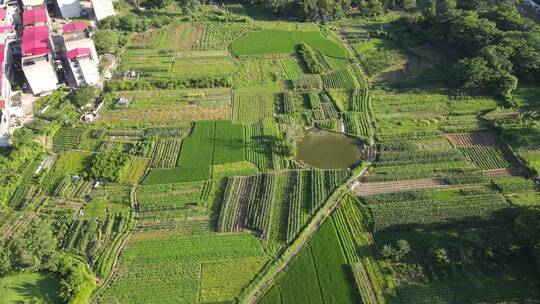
column 204, row 177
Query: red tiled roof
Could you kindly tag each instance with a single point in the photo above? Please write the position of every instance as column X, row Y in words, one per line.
column 35, row 41
column 6, row 28
column 2, row 13
column 78, row 52
column 32, row 16
column 2, row 104
column 74, row 27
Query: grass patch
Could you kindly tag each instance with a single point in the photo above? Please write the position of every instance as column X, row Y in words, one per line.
column 74, row 162
column 178, row 174
column 223, row 280
column 284, row 42
column 30, row 287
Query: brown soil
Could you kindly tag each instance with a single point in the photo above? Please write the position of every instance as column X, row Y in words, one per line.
column 365, row 189
column 473, row 139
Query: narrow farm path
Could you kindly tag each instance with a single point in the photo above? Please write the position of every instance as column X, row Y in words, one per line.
column 262, row 284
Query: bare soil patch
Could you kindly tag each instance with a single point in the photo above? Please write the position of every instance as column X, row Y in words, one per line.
column 365, row 189
column 473, row 139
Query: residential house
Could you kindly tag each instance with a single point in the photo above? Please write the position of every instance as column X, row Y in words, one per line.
column 81, row 55
column 37, row 60
column 103, row 9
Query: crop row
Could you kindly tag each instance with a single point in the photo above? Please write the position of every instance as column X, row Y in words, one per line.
column 234, row 201
column 250, row 108
column 486, row 158
column 259, row 210
column 67, row 138
column 418, row 157
column 470, row 210
column 357, row 123
column 166, row 153
column 340, row 79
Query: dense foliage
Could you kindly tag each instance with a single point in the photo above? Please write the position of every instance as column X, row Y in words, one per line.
column 490, row 46
column 109, row 166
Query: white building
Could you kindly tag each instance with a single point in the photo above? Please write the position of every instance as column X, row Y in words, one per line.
column 37, row 60
column 7, row 35
column 103, row 9
column 32, row 3
column 5, row 97
column 81, row 55
column 69, row 8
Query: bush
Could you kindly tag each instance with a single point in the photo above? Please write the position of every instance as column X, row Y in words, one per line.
column 76, row 283
column 196, row 82
column 109, row 166
column 310, row 59
column 84, row 95
column 108, row 41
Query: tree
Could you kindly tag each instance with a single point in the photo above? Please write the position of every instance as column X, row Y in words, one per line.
column 33, row 247
column 5, row 259
column 293, row 133
column 84, row 95
column 190, row 6
column 408, row 5
column 109, row 166
column 23, row 137
column 77, row 282
column 396, row 253
column 157, row 3
column 440, row 255
column 107, row 41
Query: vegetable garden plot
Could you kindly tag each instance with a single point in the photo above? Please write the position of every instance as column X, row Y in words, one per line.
column 216, row 36
column 138, row 285
column 486, row 158
column 258, row 150
column 170, row 196
column 473, row 139
column 166, row 153
column 250, row 108
column 470, row 209
column 215, row 274
column 67, row 138
column 250, row 201
column 357, row 124
column 340, row 79
column 177, row 174
column 291, row 67
column 141, row 251
column 169, row 116
column 151, row 99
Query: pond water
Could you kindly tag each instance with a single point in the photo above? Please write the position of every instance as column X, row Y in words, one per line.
column 328, row 150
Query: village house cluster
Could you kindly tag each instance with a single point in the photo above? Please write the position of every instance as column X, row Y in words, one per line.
column 41, row 49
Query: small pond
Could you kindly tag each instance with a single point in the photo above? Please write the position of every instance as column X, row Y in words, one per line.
column 328, row 150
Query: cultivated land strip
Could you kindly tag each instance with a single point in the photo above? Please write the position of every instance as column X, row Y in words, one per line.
column 365, row 189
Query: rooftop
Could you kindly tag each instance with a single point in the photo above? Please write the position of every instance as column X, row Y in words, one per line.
column 35, row 15
column 74, row 27
column 35, row 41
column 78, row 52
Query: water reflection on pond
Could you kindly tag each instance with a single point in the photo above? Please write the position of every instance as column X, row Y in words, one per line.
column 328, row 150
